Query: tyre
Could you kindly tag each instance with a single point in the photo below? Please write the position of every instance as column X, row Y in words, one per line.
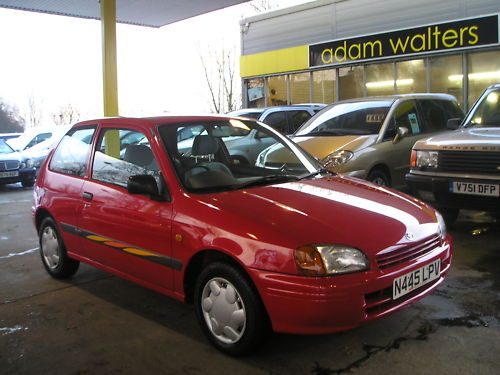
column 229, row 311
column 53, row 253
column 378, row 177
column 28, row 183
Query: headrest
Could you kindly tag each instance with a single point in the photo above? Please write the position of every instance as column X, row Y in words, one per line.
column 205, row 145
column 139, row 155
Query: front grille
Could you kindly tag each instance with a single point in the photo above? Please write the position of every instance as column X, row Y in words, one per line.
column 381, row 301
column 9, row 165
column 405, row 253
column 475, row 162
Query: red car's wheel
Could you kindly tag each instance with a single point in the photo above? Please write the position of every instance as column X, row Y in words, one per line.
column 229, row 310
column 53, row 252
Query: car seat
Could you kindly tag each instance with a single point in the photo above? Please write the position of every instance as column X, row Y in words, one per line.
column 209, row 155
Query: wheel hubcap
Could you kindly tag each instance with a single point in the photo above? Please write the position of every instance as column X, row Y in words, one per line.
column 50, row 247
column 379, row 181
column 223, row 310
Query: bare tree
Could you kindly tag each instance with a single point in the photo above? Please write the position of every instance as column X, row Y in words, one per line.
column 34, row 111
column 260, row 6
column 10, row 121
column 67, row 115
column 220, row 70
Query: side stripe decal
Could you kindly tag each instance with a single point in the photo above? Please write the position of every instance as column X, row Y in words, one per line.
column 117, row 245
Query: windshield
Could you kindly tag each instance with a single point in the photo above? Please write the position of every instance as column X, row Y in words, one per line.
column 5, row 148
column 209, row 161
column 487, row 111
column 358, row 118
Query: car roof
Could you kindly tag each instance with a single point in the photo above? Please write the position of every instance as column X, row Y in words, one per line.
column 393, row 98
column 154, row 121
column 247, row 110
column 400, row 96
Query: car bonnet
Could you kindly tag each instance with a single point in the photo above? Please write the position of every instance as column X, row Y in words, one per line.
column 337, row 210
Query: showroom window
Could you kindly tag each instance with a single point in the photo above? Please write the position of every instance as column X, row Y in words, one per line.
column 484, row 70
column 255, row 93
column 351, row 82
column 411, row 77
column 300, row 88
column 72, row 153
column 324, row 90
column 277, row 93
column 379, row 79
column 437, row 74
column 446, row 76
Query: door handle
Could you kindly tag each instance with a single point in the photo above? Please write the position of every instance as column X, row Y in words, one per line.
column 87, row 196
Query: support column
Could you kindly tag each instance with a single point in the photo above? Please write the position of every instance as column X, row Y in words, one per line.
column 109, row 61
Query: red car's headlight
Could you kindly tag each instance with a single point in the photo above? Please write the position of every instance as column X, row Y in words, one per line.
column 321, row 260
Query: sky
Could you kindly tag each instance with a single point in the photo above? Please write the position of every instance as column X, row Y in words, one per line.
column 55, row 61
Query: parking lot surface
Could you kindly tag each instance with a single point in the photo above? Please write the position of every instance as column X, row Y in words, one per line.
column 96, row 323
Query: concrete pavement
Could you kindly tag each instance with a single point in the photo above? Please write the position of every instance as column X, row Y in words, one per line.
column 95, row 323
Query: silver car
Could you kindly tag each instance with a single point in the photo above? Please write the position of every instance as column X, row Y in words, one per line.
column 461, row 169
column 285, row 119
column 371, row 138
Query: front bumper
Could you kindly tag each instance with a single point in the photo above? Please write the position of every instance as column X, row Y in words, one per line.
column 436, row 191
column 316, row 305
column 26, row 174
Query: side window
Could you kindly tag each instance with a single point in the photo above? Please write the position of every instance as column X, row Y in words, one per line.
column 71, row 155
column 452, row 110
column 434, row 115
column 277, row 120
column 405, row 116
column 297, row 118
column 39, row 138
column 121, row 153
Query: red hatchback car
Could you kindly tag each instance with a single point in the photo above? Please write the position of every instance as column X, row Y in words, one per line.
column 291, row 247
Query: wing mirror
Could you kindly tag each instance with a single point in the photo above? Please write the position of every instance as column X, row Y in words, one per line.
column 144, row 184
column 453, row 123
column 400, row 134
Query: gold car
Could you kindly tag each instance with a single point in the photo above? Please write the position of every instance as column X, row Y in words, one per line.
column 371, row 138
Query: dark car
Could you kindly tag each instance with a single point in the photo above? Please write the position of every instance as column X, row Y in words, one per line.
column 15, row 167
column 285, row 119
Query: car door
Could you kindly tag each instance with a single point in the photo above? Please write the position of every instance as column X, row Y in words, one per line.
column 67, row 170
column 395, row 151
column 129, row 233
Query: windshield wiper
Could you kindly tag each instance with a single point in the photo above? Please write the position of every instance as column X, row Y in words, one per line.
column 321, row 170
column 274, row 178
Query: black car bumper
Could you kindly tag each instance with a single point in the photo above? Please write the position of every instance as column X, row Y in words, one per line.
column 437, row 192
column 27, row 175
